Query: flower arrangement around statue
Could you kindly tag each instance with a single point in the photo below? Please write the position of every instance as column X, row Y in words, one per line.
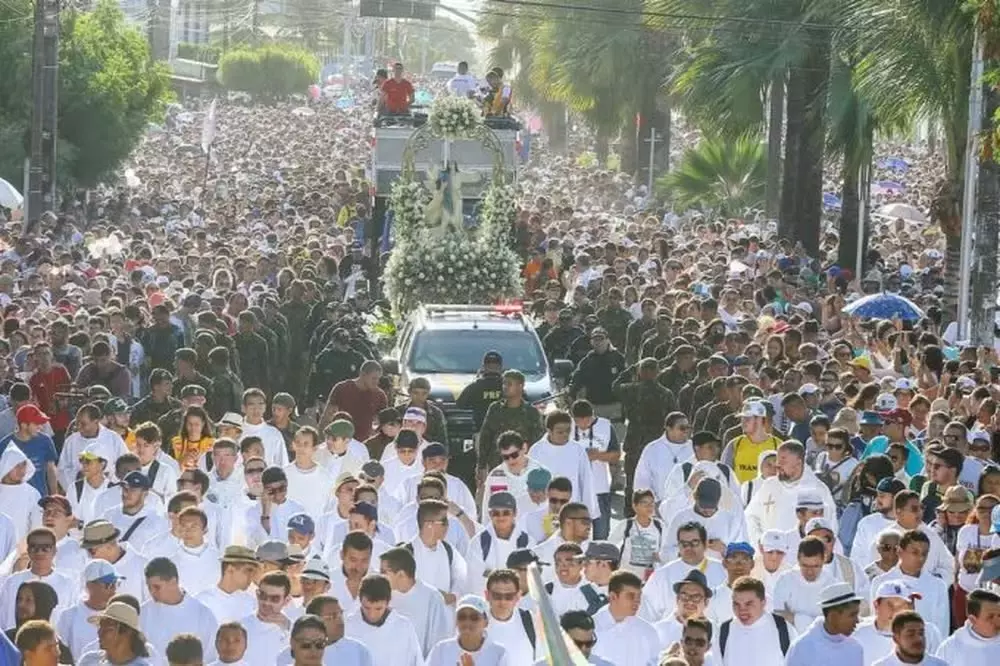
column 436, row 259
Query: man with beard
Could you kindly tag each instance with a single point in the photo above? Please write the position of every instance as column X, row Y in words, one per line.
column 910, row 640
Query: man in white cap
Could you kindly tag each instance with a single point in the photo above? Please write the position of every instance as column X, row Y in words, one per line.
column 415, row 420
column 977, row 642
column 875, row 633
column 774, row 504
column 830, row 642
column 471, row 618
column 73, row 626
column 913, row 568
column 770, row 559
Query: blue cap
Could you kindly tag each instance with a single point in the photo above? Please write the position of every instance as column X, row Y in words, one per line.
column 739, row 547
column 136, row 479
column 538, row 479
column 435, row 450
column 302, row 524
column 366, row 509
column 871, row 418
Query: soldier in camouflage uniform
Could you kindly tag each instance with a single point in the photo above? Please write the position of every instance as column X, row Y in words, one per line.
column 511, row 413
column 646, row 404
column 337, row 362
column 226, row 392
column 615, row 319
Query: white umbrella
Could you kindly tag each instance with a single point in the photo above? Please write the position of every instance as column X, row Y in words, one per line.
column 303, row 111
column 905, row 211
column 9, row 196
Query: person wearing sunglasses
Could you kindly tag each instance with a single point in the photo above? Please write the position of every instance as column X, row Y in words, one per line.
column 471, row 647
column 41, row 547
column 511, row 475
column 268, row 518
column 308, row 641
column 579, row 626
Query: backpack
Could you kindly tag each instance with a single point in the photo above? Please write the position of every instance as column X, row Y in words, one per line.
column 849, row 519
column 449, row 551
column 486, row 541
column 529, row 626
column 687, row 467
column 783, row 638
column 595, row 600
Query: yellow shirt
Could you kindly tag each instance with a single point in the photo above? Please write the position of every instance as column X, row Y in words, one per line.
column 746, row 453
column 187, row 452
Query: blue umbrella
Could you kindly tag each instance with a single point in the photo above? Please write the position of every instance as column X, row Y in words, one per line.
column 831, row 201
column 894, row 163
column 884, row 306
column 889, row 186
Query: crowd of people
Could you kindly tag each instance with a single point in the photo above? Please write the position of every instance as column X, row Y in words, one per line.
column 203, row 462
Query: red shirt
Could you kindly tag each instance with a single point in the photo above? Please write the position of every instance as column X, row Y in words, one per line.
column 363, row 406
column 397, row 95
column 44, row 386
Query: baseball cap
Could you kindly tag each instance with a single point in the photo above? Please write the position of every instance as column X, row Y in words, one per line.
column 896, row 588
column 340, row 428
column 819, row 523
column 804, row 307
column 773, row 540
column 708, row 493
column 373, row 469
column 904, row 384
column 862, row 362
column 57, row 499
column 538, row 479
column 366, row 509
column 522, row 557
column 886, row 402
column 316, row 569
column 474, row 602
column 963, row 384
column 808, row 498
column 602, row 550
column 752, row 409
column 283, row 400
column 808, row 389
column 272, row 551
column 302, row 524
column 492, row 356
column 502, row 500
column 435, row 450
column 870, row 418
column 136, row 479
column 115, row 406
column 30, row 413
column 342, row 478
column 387, row 416
column 890, row 485
column 739, row 547
column 193, row 391
column 415, row 414
column 101, row 571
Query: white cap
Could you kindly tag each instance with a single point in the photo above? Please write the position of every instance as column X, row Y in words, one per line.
column 809, row 499
column 474, row 602
column 231, row 419
column 837, row 594
column 819, row 523
column 100, row 570
column 886, row 402
column 905, row 384
column 415, row 414
column 808, row 389
column 804, row 306
column 979, row 434
column 752, row 408
column 896, row 588
column 773, row 540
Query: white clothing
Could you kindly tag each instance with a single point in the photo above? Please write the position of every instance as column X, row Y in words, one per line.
column 225, row 492
column 197, row 568
column 265, row 640
column 877, row 644
column 165, row 480
column 69, row 459
column 546, row 552
column 227, row 607
column 392, row 642
column 726, row 525
column 75, row 630
column 773, row 504
column 433, row 567
column 66, row 587
column 866, row 534
column 630, row 642
column 424, row 607
column 502, row 479
column 396, row 473
column 345, row 652
column 85, row 505
column 20, row 502
column 658, row 597
column 940, row 561
column 463, row 85
column 97, row 658
column 817, row 647
column 456, row 491
column 311, row 489
column 280, row 515
column 761, row 573
column 275, row 452
column 112, row 497
column 448, row 652
column 759, row 639
column 640, row 546
column 496, row 554
column 338, row 590
column 152, row 525
column 132, row 567
column 845, row 570
column 406, row 529
column 510, row 633
column 657, row 461
column 928, row 660
column 70, row 558
column 967, row 648
column 569, row 460
column 793, row 593
column 969, row 538
column 161, row 622
column 565, row 598
column 676, row 483
column 599, row 437
column 933, row 606
column 670, row 629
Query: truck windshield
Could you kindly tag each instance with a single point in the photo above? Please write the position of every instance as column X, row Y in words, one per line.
column 461, row 351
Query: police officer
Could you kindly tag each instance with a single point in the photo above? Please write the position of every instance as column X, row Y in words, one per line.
column 337, row 362
column 170, row 423
column 487, row 389
column 646, row 404
column 510, row 413
column 558, row 341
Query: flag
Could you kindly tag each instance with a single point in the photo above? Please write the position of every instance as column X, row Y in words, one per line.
column 560, row 649
column 208, row 128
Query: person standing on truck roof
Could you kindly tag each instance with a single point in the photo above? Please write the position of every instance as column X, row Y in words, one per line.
column 397, row 92
column 487, row 389
column 463, row 84
column 510, row 413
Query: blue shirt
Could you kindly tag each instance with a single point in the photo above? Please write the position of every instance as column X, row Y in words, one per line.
column 9, row 654
column 40, row 451
column 914, row 461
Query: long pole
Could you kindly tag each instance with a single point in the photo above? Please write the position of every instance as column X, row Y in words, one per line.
column 969, row 193
column 652, row 157
column 862, row 214
column 44, row 112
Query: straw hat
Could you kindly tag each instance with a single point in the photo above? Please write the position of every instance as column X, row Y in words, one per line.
column 122, row 613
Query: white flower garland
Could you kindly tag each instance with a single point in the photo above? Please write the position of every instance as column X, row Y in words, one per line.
column 453, row 117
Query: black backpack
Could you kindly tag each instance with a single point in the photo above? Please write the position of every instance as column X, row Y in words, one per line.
column 783, row 637
column 449, row 551
column 595, row 600
column 486, row 541
column 529, row 626
column 687, row 467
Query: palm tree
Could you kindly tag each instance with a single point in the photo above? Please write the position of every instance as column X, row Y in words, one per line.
column 724, row 175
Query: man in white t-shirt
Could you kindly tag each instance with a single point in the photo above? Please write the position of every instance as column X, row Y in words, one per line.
column 910, row 640
column 463, row 84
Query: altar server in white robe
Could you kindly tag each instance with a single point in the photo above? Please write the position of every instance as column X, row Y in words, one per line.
column 773, row 504
column 171, row 610
column 828, row 640
column 909, row 513
column 752, row 631
column 912, row 568
column 389, row 636
column 623, row 638
column 977, row 642
column 875, row 633
column 659, row 457
column 797, row 591
column 563, row 457
column 415, row 600
column 472, row 644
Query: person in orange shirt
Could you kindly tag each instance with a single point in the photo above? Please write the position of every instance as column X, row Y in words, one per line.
column 194, row 439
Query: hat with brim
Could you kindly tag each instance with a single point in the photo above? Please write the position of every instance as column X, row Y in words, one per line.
column 956, row 499
column 239, row 555
column 122, row 613
column 838, row 594
column 694, row 577
column 97, row 533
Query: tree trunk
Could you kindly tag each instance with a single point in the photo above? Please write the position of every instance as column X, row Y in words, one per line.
column 602, row 148
column 791, row 174
column 629, row 148
column 776, row 103
column 850, row 216
column 946, row 210
column 932, row 136
column 812, row 148
column 554, row 123
column 983, row 304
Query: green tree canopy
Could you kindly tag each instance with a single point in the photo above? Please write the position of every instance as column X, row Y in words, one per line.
column 724, row 175
column 269, row 72
column 109, row 91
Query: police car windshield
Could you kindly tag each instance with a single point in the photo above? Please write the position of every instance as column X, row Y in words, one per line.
column 461, row 351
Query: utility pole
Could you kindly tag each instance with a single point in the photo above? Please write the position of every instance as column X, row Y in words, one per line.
column 45, row 111
column 984, row 260
column 969, row 193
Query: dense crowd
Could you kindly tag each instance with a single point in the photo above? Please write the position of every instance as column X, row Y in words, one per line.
column 203, row 462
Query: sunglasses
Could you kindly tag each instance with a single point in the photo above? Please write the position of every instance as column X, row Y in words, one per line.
column 40, row 547
column 311, row 645
column 503, row 596
column 835, row 447
column 510, row 456
column 468, row 617
column 585, row 645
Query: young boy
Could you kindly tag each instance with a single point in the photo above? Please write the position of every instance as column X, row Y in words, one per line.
column 640, row 537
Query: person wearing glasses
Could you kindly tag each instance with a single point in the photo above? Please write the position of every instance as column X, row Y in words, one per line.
column 574, row 527
column 509, row 625
column 511, row 475
column 579, row 626
column 471, row 646
column 268, row 627
column 908, row 511
column 268, row 518
column 41, row 547
column 871, row 526
column 835, row 464
column 501, row 536
column 660, row 456
column 659, row 594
